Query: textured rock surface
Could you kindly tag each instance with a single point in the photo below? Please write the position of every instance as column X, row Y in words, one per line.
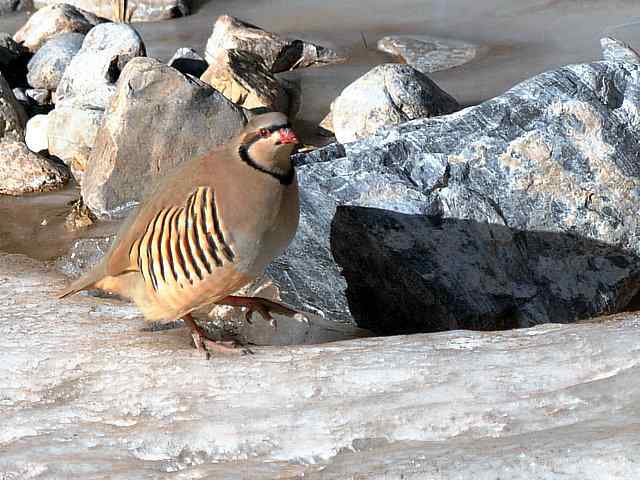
column 279, row 54
column 53, row 20
column 139, row 11
column 8, row 6
column 24, row 171
column 386, row 95
column 94, row 71
column 36, row 136
column 88, row 393
column 86, row 90
column 72, row 130
column 187, row 60
column 430, row 54
column 47, row 66
column 552, row 168
column 13, row 118
column 158, row 118
column 617, row 51
column 244, row 79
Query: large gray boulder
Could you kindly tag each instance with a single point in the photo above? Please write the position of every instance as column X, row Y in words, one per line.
column 47, row 66
column 158, row 119
column 386, row 95
column 518, row 211
column 52, row 20
column 278, row 53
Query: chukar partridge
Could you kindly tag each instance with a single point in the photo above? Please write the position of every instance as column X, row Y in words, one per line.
column 206, row 230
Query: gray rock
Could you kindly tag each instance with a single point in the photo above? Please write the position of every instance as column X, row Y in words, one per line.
column 279, row 54
column 95, row 69
column 9, row 6
column 47, row 66
column 73, row 127
column 21, row 95
column 36, row 136
column 430, row 54
column 24, row 171
column 13, row 118
column 39, row 96
column 53, row 20
column 387, row 94
column 98, row 395
column 188, row 61
column 139, row 11
column 158, row 119
column 617, row 51
column 86, row 90
column 244, row 79
column 518, row 211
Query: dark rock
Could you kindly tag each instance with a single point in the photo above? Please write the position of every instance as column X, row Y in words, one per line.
column 188, row 61
column 518, row 211
column 614, row 50
column 13, row 60
column 47, row 66
column 158, row 119
column 279, row 54
column 13, row 118
column 385, row 95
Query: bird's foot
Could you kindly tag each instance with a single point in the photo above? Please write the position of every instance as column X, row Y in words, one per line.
column 206, row 346
column 262, row 306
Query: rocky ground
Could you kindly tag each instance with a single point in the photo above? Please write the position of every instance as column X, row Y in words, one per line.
column 89, row 392
column 510, row 217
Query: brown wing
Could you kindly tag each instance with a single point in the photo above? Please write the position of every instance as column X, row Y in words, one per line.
column 182, row 245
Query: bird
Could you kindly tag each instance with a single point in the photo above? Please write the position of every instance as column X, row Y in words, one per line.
column 207, row 229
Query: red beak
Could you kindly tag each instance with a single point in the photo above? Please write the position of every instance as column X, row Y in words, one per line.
column 287, row 135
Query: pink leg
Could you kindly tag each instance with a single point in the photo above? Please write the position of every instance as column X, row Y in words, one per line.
column 205, row 344
column 256, row 304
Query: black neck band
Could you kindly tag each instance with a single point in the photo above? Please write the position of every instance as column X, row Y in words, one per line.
column 283, row 178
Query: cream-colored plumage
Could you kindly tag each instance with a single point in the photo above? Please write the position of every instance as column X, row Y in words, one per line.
column 208, row 228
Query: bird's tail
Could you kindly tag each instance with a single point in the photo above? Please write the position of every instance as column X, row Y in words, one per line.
column 85, row 282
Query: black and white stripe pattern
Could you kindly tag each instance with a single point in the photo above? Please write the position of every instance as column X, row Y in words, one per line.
column 183, row 245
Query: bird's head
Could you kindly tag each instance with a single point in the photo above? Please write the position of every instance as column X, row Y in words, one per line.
column 266, row 144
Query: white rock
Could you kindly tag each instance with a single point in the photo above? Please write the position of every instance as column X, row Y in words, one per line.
column 72, row 130
column 86, row 394
column 24, row 171
column 386, row 95
column 36, row 136
column 95, row 69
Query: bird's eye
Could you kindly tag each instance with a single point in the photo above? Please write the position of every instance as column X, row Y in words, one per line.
column 263, row 132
